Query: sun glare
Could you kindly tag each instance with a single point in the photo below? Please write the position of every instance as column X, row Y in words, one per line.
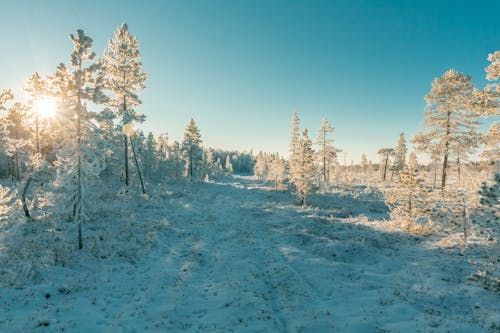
column 46, row 107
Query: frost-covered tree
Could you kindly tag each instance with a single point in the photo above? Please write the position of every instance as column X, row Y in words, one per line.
column 407, row 201
column 492, row 143
column 294, row 142
column 304, row 173
column 213, row 167
column 5, row 96
column 80, row 158
column 486, row 103
column 35, row 88
column 448, row 116
column 326, row 152
column 385, row 154
column 124, row 79
column 400, row 154
column 191, row 148
column 277, row 170
column 16, row 140
column 261, row 169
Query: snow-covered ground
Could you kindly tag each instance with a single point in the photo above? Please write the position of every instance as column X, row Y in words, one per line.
column 238, row 257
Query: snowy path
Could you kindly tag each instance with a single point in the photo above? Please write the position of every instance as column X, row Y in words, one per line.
column 236, row 258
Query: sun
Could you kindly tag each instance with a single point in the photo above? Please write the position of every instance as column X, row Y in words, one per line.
column 46, row 107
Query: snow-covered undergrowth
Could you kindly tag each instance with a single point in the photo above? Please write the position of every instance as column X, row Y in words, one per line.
column 237, row 256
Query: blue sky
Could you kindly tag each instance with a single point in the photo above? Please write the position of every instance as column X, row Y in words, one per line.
column 241, row 68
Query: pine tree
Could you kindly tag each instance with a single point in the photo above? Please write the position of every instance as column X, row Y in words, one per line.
column 261, row 169
column 35, row 88
column 304, row 174
column 79, row 158
column 16, row 138
column 407, row 200
column 294, row 142
column 492, row 143
column 326, row 150
column 448, row 116
column 191, row 148
column 400, row 154
column 295, row 136
column 277, row 170
column 124, row 79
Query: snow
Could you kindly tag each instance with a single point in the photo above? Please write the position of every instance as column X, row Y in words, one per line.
column 235, row 256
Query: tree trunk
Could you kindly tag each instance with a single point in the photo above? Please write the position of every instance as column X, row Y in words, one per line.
column 191, row 163
column 138, row 168
column 78, row 197
column 385, row 167
column 445, row 166
column 446, row 151
column 125, row 141
column 23, row 198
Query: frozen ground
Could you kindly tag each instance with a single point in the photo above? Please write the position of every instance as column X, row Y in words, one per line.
column 237, row 257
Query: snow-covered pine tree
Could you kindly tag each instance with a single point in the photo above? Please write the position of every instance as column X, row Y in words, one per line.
column 304, row 173
column 492, row 143
column 294, row 142
column 277, row 170
column 35, row 87
column 16, row 133
column 448, row 116
column 407, row 201
column 261, row 169
column 79, row 159
column 493, row 89
column 191, row 148
column 487, row 104
column 124, row 79
column 326, row 152
column 17, row 138
column 385, row 154
column 400, row 154
column 5, row 97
